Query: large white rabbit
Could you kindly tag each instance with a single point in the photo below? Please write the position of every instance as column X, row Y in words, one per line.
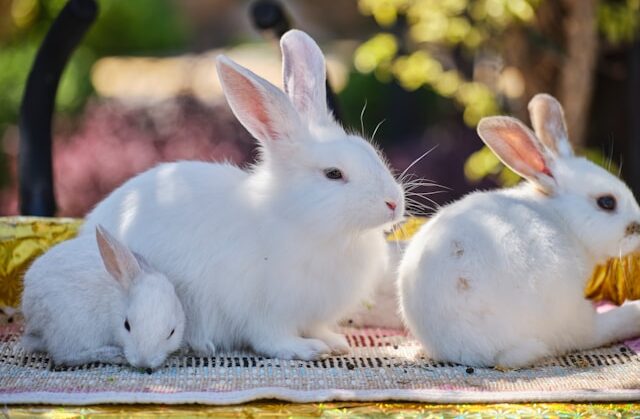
column 273, row 256
column 91, row 299
column 498, row 277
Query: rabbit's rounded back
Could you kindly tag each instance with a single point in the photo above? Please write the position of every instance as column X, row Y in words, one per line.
column 69, row 301
column 498, row 277
column 83, row 296
column 306, row 220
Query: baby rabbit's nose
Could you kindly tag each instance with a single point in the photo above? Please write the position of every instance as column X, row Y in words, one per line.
column 392, row 205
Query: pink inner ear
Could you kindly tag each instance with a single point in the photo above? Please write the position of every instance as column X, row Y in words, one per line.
column 251, row 101
column 109, row 257
column 303, row 95
column 520, row 152
column 548, row 122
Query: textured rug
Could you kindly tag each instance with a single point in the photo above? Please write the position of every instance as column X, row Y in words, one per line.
column 383, row 365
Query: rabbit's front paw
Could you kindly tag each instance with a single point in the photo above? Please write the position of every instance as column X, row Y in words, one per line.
column 336, row 341
column 296, row 348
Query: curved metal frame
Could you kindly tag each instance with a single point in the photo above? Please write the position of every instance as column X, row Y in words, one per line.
column 35, row 166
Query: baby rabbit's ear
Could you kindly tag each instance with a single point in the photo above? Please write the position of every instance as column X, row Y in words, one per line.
column 117, row 258
column 518, row 148
column 304, row 74
column 262, row 108
column 547, row 118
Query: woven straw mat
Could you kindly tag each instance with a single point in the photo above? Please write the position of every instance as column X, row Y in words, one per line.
column 383, row 365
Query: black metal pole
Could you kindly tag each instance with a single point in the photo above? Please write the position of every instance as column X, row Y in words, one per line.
column 268, row 16
column 35, row 172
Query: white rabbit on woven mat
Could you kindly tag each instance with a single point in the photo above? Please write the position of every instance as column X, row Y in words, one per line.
column 271, row 257
column 497, row 278
column 381, row 307
column 80, row 312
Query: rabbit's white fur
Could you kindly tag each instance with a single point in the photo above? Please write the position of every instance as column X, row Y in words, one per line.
column 271, row 257
column 498, row 277
column 75, row 309
column 381, row 308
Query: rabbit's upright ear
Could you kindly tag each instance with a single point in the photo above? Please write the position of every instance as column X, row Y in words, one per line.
column 547, row 118
column 518, row 148
column 117, row 258
column 304, row 74
column 262, row 108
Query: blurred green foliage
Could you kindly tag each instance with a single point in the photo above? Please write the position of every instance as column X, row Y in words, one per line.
column 434, row 29
column 619, row 21
column 420, row 39
column 122, row 27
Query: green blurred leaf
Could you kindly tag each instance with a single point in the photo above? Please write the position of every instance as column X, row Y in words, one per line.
column 122, row 27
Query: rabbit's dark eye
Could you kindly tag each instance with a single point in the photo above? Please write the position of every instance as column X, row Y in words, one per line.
column 171, row 334
column 333, row 173
column 126, row 325
column 607, row 202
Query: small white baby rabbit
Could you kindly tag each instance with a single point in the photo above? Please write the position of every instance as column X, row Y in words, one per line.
column 271, row 257
column 498, row 278
column 86, row 302
column 381, row 307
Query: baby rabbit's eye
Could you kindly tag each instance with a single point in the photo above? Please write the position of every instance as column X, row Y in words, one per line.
column 126, row 325
column 333, row 173
column 607, row 202
column 171, row 334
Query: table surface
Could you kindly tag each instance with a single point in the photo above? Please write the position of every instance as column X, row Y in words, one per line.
column 275, row 408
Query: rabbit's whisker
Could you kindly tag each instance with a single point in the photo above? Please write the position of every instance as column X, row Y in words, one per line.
column 421, row 182
column 620, row 167
column 419, row 214
column 412, row 189
column 425, row 154
column 410, row 184
column 426, row 198
column 413, row 205
column 364, row 108
column 375, row 131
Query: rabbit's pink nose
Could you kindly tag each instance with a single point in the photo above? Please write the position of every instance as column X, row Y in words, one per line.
column 392, row 205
